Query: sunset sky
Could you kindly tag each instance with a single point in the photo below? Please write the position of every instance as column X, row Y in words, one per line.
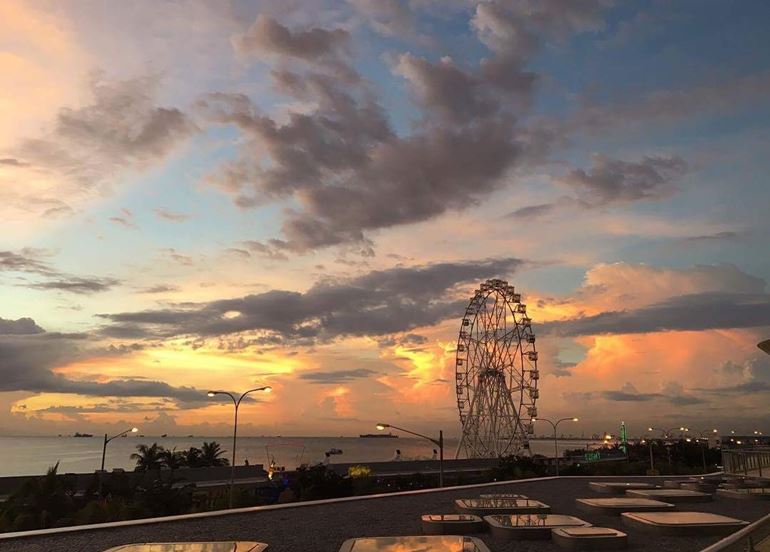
column 305, row 193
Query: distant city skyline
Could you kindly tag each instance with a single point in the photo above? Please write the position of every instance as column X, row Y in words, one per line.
column 223, row 195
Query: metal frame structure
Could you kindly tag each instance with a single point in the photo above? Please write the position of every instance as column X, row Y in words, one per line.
column 496, row 373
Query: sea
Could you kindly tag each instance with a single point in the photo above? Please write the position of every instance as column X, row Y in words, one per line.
column 34, row 455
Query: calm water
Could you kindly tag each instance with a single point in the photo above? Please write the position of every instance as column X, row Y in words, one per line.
column 33, row 455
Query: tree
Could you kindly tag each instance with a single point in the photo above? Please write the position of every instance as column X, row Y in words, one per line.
column 172, row 459
column 148, row 457
column 192, row 457
column 210, row 455
column 40, row 503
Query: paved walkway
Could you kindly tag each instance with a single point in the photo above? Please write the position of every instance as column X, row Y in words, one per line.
column 323, row 528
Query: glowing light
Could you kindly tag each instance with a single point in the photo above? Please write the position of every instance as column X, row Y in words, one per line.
column 382, row 426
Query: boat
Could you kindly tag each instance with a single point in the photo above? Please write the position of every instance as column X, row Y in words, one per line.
column 77, row 434
column 378, row 436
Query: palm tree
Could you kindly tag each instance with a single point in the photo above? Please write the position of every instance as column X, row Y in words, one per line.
column 172, row 459
column 39, row 503
column 192, row 457
column 210, row 455
column 148, row 457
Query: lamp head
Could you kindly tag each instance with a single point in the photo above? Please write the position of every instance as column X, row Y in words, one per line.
column 650, row 429
column 134, row 429
column 382, row 426
column 575, row 419
column 714, row 431
column 267, row 389
column 211, row 393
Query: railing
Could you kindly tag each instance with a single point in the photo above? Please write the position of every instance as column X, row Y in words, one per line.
column 754, row 463
column 754, row 537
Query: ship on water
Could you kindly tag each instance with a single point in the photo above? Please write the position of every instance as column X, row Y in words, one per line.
column 378, row 436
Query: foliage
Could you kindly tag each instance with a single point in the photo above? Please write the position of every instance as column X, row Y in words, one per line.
column 317, row 482
column 517, row 467
column 148, row 457
column 210, row 455
column 40, row 503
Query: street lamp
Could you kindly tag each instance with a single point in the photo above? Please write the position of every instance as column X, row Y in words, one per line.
column 439, row 442
column 703, row 435
column 237, row 403
column 555, row 443
column 107, row 440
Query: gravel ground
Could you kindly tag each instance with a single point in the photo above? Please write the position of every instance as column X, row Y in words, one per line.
column 323, row 528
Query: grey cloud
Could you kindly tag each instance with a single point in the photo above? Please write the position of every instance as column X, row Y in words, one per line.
column 716, row 237
column 170, row 215
column 271, row 250
column 76, row 284
column 668, row 106
column 685, row 313
column 388, row 17
column 31, row 261
column 159, row 288
column 378, row 303
column 121, row 128
column 347, row 170
column 27, row 260
column 318, row 45
column 613, row 180
column 532, row 211
column 338, row 376
column 10, row 162
column 21, row 326
column 27, row 362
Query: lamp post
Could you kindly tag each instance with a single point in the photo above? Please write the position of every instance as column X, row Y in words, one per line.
column 107, row 440
column 439, row 442
column 666, row 435
column 652, row 462
column 236, row 403
column 555, row 443
column 703, row 435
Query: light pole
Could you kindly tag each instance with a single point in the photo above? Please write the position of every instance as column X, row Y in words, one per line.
column 439, row 442
column 237, row 403
column 555, row 443
column 652, row 462
column 703, row 435
column 107, row 440
column 666, row 435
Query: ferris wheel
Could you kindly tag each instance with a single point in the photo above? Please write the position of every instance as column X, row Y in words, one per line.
column 496, row 373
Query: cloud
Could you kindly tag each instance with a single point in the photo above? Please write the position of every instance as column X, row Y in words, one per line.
column 628, row 393
column 271, row 250
column 314, row 45
column 160, row 288
column 716, row 237
column 667, row 106
column 27, row 260
column 695, row 312
column 388, row 17
column 338, row 159
column 86, row 147
column 22, row 326
column 532, row 211
column 79, row 285
column 170, row 215
column 31, row 261
column 615, row 181
column 28, row 357
column 338, row 376
column 378, row 303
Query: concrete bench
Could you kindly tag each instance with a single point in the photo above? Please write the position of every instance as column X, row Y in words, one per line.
column 682, row 523
column 451, row 524
column 616, row 506
column 589, row 538
column 506, row 528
